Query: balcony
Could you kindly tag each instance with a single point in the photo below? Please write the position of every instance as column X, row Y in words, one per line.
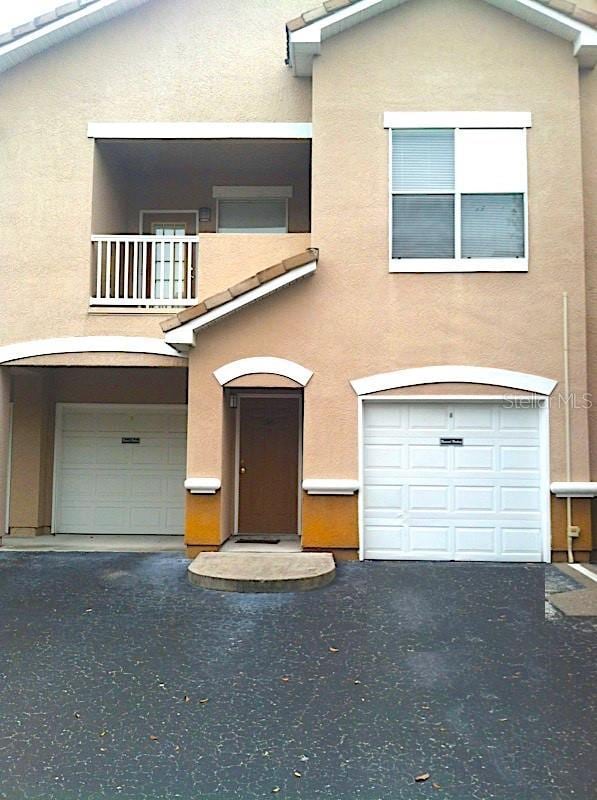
column 177, row 221
column 145, row 271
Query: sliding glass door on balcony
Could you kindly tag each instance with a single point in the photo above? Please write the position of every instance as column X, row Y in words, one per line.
column 145, row 271
column 168, row 262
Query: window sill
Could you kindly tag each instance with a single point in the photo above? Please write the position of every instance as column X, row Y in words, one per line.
column 459, row 265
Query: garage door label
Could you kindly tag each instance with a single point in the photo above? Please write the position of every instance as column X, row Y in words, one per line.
column 450, row 441
column 130, row 440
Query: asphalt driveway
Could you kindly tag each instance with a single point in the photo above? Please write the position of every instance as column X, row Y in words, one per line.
column 120, row 680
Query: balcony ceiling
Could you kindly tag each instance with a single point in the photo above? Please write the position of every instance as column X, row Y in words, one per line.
column 149, row 157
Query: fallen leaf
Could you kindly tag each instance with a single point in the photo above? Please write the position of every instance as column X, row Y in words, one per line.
column 424, row 777
column 186, row 698
column 104, row 733
column 154, row 738
column 87, row 610
column 333, row 649
column 204, row 700
column 285, row 678
column 436, row 786
column 275, row 790
column 357, row 683
column 77, row 715
column 297, row 774
column 265, row 753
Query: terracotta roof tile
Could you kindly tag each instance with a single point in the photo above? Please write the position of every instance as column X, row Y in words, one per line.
column 42, row 20
column 574, row 10
column 244, row 286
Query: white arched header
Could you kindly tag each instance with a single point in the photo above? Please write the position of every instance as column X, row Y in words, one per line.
column 87, row 344
column 263, row 364
column 453, row 374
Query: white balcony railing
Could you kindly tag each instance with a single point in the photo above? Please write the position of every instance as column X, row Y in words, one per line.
column 144, row 271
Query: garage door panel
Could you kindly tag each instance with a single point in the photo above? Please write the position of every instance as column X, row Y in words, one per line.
column 428, row 457
column 519, row 419
column 469, row 419
column 428, row 498
column 520, row 498
column 428, row 418
column 521, row 540
column 113, row 484
column 388, row 538
column 383, row 497
column 474, row 541
column 106, row 485
column 77, row 452
column 384, row 455
column 429, row 539
column 478, row 500
column 111, row 454
column 474, row 498
column 387, row 415
column 477, row 457
column 517, row 458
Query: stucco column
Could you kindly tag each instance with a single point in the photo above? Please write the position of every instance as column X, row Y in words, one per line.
column 203, row 510
column 32, row 453
column 4, row 441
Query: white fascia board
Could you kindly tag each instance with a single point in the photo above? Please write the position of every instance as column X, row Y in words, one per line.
column 574, row 488
column 202, row 485
column 330, row 486
column 199, row 130
column 61, row 29
column 86, row 344
column 457, row 119
column 420, row 376
column 184, row 335
column 305, row 43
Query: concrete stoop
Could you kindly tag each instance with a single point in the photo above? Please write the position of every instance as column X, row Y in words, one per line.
column 262, row 572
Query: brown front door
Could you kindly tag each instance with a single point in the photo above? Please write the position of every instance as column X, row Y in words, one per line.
column 268, row 464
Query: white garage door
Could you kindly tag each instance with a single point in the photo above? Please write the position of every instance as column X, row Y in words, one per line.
column 120, row 470
column 460, row 481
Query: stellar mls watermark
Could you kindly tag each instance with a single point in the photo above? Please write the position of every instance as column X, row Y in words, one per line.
column 556, row 400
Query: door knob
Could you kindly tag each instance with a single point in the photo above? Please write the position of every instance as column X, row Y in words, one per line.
column 243, row 469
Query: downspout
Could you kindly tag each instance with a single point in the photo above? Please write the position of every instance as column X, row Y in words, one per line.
column 571, row 532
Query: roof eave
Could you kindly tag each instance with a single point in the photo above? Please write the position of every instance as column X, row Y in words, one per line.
column 63, row 27
column 305, row 43
column 183, row 336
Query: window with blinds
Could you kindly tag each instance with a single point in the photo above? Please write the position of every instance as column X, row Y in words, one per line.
column 458, row 195
column 267, row 215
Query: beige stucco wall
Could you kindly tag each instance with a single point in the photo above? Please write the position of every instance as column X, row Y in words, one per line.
column 353, row 318
column 225, row 63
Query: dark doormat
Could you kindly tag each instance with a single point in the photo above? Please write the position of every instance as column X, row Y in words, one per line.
column 256, row 540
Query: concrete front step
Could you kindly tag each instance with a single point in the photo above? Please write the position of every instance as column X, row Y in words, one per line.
column 262, row 572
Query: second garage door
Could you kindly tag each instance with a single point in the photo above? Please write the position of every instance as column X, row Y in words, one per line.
column 120, row 470
column 453, row 481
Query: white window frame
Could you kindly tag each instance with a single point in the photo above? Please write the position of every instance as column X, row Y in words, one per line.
column 251, row 193
column 457, row 121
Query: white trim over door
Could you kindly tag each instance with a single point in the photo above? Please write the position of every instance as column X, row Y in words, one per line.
column 542, row 551
column 267, row 365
